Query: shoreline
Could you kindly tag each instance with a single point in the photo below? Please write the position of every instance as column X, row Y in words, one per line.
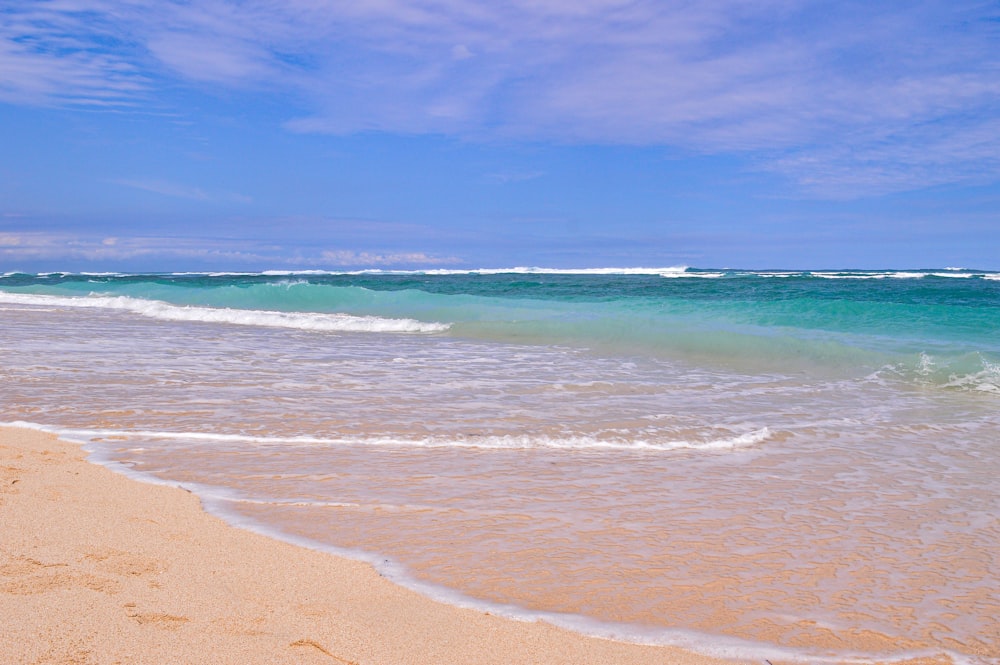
column 96, row 567
column 99, row 565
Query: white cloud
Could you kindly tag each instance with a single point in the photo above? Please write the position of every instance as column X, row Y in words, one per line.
column 353, row 258
column 61, row 246
column 35, row 246
column 55, row 53
column 812, row 89
column 210, row 60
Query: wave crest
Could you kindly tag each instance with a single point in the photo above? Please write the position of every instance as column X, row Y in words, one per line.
column 157, row 309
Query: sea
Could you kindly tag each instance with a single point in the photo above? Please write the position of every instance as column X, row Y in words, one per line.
column 760, row 465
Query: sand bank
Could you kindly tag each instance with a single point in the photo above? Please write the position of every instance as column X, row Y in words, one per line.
column 98, row 568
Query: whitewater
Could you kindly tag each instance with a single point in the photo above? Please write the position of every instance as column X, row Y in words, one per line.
column 759, row 464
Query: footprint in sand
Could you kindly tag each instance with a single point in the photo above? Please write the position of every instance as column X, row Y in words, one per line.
column 27, row 576
column 157, row 619
column 124, row 563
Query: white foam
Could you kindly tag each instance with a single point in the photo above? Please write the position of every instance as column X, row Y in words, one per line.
column 247, row 317
column 519, row 270
column 901, row 274
column 284, row 273
column 523, row 270
column 986, row 380
column 670, row 271
column 841, row 275
column 507, row 442
column 864, row 275
column 383, row 271
column 703, row 275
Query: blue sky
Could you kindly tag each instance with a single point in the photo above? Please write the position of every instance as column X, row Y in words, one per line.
column 316, row 134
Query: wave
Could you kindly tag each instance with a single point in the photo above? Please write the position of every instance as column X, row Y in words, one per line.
column 518, row 270
column 744, row 321
column 156, row 309
column 672, row 270
column 901, row 274
column 703, row 275
column 668, row 271
column 508, row 442
column 970, row 372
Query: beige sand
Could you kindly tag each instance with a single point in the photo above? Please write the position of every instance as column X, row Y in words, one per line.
column 97, row 568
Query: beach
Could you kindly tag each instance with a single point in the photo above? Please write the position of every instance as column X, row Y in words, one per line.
column 98, row 568
column 461, row 332
column 755, row 466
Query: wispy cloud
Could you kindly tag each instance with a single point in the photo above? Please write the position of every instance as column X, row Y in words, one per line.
column 353, row 258
column 41, row 246
column 845, row 98
column 58, row 53
column 179, row 190
column 17, row 247
column 165, row 188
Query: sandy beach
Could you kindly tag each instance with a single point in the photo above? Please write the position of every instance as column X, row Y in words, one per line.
column 98, row 568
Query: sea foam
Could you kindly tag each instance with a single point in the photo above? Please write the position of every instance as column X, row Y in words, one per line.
column 156, row 309
column 509, row 442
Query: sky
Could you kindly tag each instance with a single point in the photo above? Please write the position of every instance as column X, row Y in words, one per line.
column 330, row 135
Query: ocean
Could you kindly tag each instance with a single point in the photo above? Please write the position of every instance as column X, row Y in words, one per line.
column 791, row 465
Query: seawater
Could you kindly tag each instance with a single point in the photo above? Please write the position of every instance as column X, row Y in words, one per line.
column 751, row 463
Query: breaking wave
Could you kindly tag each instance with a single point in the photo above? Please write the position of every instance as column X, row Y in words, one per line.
column 314, row 321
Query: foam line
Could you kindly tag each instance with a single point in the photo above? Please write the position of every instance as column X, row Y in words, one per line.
column 509, row 442
column 245, row 317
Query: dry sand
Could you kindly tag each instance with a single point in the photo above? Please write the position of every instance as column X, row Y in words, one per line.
column 98, row 568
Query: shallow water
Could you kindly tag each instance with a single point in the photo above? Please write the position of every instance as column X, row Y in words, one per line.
column 675, row 464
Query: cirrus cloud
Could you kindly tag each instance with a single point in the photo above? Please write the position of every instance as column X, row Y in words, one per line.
column 845, row 98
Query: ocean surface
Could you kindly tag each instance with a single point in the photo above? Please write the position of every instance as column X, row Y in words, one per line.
column 757, row 464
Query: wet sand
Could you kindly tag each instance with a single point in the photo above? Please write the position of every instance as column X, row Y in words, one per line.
column 98, row 568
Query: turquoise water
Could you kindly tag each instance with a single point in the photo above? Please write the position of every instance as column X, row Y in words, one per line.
column 931, row 324
column 617, row 451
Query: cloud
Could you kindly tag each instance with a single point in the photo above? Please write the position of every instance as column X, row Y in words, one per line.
column 353, row 258
column 207, row 60
column 834, row 95
column 933, row 155
column 165, row 188
column 58, row 54
column 34, row 246
column 180, row 191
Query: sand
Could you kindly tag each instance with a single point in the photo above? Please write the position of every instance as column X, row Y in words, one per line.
column 98, row 568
